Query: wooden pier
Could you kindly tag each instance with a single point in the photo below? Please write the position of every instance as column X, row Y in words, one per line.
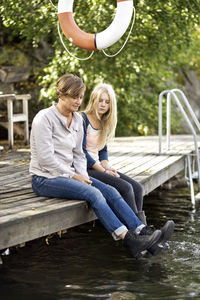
column 24, row 216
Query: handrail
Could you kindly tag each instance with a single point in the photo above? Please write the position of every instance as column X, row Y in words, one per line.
column 189, row 107
column 171, row 94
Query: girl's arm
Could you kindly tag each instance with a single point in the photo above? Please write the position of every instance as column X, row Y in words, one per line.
column 103, row 157
column 109, row 170
column 91, row 163
column 90, row 160
column 103, row 154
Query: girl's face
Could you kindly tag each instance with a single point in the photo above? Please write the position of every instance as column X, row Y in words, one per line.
column 104, row 104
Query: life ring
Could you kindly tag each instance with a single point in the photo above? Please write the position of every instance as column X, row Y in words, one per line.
column 98, row 41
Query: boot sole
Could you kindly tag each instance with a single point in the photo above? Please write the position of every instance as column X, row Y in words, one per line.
column 168, row 229
column 154, row 239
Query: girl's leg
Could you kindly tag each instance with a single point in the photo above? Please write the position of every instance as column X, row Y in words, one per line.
column 137, row 190
column 138, row 196
column 122, row 186
column 68, row 188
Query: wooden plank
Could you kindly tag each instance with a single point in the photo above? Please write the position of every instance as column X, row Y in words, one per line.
column 142, row 161
column 154, row 178
column 19, row 201
column 37, row 204
column 26, row 226
column 6, row 194
column 24, row 216
column 9, row 170
column 16, row 189
column 12, row 180
column 16, row 198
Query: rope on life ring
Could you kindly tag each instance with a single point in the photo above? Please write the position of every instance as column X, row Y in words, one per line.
column 62, row 42
column 98, row 41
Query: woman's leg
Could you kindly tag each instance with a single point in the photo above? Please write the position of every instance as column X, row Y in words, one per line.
column 68, row 188
column 121, row 209
column 129, row 189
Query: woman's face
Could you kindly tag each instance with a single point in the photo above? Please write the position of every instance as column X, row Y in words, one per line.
column 70, row 104
column 104, row 104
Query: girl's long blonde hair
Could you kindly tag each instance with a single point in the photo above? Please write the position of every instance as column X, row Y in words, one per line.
column 109, row 119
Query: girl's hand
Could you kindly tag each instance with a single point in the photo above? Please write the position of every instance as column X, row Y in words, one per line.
column 112, row 172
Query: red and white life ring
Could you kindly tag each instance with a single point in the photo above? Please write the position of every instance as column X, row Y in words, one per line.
column 100, row 40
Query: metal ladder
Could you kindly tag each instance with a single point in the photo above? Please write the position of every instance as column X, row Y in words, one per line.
column 192, row 163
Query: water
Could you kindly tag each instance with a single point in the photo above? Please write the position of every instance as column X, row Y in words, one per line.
column 86, row 264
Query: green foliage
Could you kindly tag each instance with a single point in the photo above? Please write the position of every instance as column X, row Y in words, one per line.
column 10, row 55
column 32, row 20
column 164, row 37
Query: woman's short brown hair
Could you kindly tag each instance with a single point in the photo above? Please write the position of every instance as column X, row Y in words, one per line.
column 70, row 85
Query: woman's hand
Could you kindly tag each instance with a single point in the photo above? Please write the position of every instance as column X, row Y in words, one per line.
column 82, row 178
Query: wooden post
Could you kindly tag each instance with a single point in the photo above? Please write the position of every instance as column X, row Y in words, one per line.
column 10, row 120
column 26, row 127
column 23, row 117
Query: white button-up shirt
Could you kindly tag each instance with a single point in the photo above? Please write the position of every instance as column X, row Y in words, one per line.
column 56, row 150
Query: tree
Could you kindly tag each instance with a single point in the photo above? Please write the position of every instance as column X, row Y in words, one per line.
column 162, row 31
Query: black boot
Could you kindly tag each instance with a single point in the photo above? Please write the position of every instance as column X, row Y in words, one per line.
column 138, row 243
column 167, row 231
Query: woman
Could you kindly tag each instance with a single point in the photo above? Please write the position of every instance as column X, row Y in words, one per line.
column 100, row 119
column 58, row 169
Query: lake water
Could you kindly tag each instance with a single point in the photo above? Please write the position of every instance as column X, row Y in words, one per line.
column 86, row 264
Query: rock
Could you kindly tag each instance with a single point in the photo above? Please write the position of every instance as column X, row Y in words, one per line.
column 175, row 182
column 13, row 74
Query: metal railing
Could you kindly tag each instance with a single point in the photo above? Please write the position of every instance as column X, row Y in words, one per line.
column 172, row 95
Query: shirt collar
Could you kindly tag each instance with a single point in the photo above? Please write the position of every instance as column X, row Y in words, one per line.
column 74, row 124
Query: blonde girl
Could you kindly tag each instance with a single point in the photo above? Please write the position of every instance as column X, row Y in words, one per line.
column 100, row 119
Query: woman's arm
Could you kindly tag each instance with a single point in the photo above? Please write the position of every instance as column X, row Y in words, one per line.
column 42, row 148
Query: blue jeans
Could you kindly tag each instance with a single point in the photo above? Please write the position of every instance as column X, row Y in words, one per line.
column 111, row 209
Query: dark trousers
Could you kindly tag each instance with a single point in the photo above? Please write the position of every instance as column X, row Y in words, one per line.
column 130, row 190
